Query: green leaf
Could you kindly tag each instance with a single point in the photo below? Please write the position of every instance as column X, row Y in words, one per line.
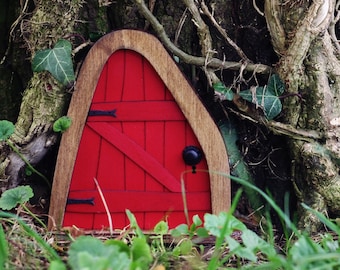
column 255, row 243
column 91, row 254
column 276, row 85
column 161, row 228
column 141, row 251
column 180, row 230
column 85, row 261
column 197, row 220
column 267, row 97
column 87, row 244
column 28, row 171
column 123, row 247
column 303, row 248
column 134, row 224
column 264, row 98
column 3, row 247
column 214, row 224
column 62, row 124
column 242, row 252
column 11, row 197
column 57, row 61
column 6, row 129
column 236, row 161
column 185, row 246
column 57, row 265
column 202, row 232
column 222, row 89
column 95, row 36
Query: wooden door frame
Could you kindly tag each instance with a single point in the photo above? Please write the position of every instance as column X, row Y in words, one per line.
column 199, row 119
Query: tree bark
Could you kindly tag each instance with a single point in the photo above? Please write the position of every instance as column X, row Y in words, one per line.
column 310, row 67
column 44, row 99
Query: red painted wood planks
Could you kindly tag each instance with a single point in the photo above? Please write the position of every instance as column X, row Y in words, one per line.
column 136, row 156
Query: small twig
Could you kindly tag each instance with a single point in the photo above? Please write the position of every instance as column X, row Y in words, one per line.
column 257, row 8
column 81, row 46
column 296, row 133
column 281, row 128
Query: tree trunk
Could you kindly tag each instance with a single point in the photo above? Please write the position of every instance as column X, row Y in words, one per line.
column 44, row 99
column 310, row 66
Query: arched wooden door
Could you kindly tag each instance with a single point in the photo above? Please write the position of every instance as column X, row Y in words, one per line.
column 136, row 153
column 133, row 114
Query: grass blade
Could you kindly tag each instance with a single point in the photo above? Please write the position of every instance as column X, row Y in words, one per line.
column 3, row 248
column 51, row 253
column 107, row 210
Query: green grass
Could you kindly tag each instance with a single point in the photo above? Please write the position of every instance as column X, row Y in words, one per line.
column 24, row 245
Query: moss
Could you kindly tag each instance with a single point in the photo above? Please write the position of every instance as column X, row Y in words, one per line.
column 44, row 99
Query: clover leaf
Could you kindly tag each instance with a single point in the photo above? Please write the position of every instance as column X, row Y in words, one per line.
column 12, row 197
column 62, row 124
column 6, row 129
column 90, row 253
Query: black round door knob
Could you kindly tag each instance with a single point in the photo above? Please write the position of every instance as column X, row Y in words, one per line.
column 192, row 155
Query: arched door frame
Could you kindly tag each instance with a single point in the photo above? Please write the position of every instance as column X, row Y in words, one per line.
column 199, row 119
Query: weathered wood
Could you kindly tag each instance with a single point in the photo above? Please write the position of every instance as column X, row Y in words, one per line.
column 197, row 116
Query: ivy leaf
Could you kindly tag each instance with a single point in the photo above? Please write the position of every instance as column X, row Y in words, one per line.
column 11, row 197
column 276, row 85
column 264, row 98
column 57, row 61
column 267, row 97
column 62, row 124
column 6, row 129
column 222, row 89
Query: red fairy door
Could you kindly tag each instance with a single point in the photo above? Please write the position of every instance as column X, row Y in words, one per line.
column 132, row 143
column 133, row 113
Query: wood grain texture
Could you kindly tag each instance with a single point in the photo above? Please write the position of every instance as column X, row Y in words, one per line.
column 199, row 119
